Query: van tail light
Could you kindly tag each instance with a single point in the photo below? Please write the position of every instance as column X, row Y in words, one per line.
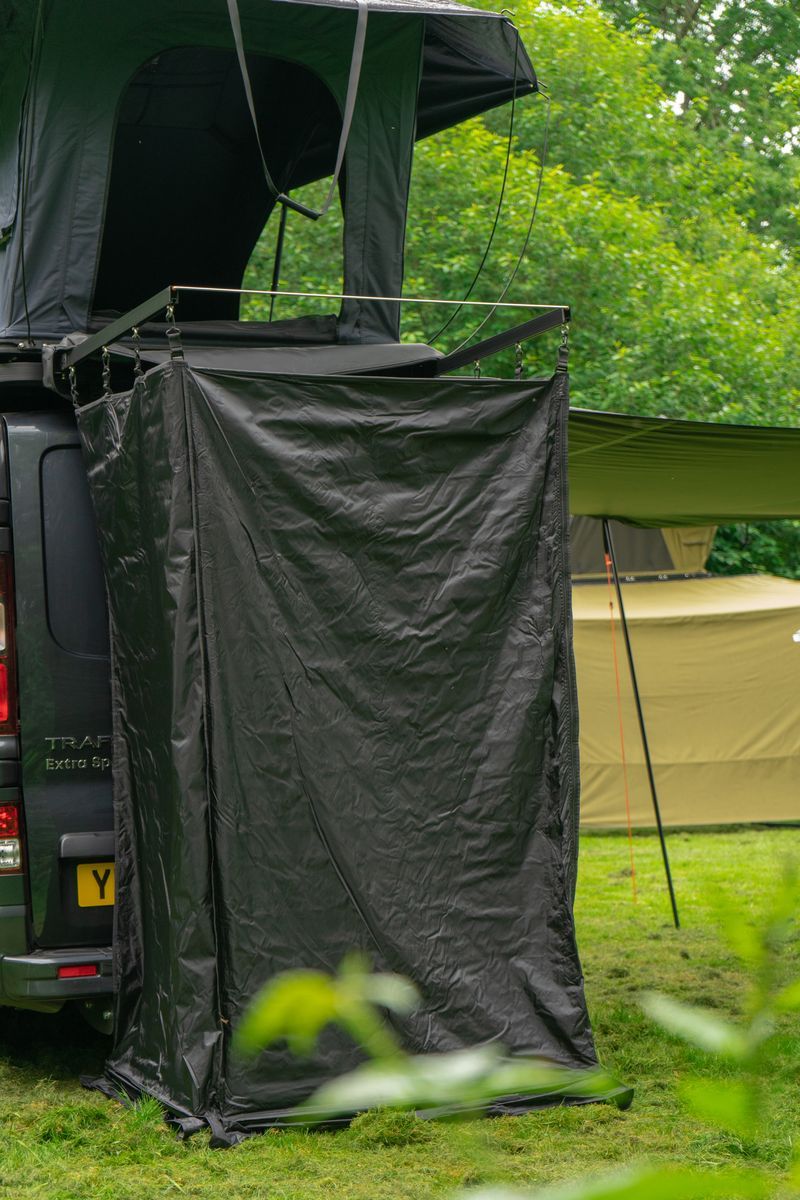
column 10, row 822
column 10, row 844
column 10, row 855
column 9, row 722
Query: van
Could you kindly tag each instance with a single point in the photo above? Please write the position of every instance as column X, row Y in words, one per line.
column 56, row 823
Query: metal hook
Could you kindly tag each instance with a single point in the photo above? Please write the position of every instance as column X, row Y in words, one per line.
column 173, row 334
column 72, row 375
column 563, row 349
column 106, row 356
column 137, row 357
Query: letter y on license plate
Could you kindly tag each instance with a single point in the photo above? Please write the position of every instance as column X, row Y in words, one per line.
column 95, row 884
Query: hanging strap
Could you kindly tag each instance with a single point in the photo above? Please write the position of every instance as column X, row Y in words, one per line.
column 347, row 116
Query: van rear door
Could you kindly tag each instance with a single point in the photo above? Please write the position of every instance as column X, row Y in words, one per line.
column 63, row 681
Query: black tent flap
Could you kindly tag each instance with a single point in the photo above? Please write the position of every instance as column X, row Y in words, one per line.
column 344, row 716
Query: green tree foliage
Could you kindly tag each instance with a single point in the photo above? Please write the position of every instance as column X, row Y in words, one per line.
column 679, row 309
column 730, row 68
column 772, row 546
column 612, row 121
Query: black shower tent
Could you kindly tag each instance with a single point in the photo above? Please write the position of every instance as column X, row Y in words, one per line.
column 344, row 717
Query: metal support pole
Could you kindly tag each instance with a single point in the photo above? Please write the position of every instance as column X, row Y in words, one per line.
column 276, row 268
column 608, row 545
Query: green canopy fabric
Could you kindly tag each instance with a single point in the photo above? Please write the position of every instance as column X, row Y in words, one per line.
column 657, row 472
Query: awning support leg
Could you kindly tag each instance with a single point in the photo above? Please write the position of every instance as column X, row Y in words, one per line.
column 608, row 545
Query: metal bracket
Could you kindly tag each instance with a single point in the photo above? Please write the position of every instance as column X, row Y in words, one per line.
column 501, row 341
column 115, row 329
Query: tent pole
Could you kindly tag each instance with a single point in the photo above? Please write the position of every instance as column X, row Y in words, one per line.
column 608, row 545
column 276, row 268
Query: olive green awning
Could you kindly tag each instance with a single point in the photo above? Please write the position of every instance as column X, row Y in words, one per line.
column 657, row 472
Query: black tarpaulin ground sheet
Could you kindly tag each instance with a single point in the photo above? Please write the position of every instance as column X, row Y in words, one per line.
column 344, row 716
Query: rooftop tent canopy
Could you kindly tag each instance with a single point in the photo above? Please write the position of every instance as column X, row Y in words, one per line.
column 657, row 473
column 140, row 162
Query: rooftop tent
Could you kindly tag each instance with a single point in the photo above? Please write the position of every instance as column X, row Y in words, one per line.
column 656, row 472
column 140, row 162
column 16, row 33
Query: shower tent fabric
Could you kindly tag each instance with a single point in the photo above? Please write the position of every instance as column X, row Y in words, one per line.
column 344, row 717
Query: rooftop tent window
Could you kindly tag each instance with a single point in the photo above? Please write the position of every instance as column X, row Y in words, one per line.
column 311, row 260
column 187, row 198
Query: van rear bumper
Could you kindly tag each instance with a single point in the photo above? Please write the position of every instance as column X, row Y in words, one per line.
column 32, row 981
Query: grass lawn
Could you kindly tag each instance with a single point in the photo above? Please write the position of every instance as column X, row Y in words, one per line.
column 60, row 1142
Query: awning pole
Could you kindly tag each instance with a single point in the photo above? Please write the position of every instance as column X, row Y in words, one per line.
column 608, row 545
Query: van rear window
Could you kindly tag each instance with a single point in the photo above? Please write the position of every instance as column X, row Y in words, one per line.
column 76, row 598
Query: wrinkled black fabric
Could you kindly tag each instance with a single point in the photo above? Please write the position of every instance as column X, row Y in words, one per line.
column 344, row 716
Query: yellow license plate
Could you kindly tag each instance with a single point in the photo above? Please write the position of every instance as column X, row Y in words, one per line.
column 95, row 884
